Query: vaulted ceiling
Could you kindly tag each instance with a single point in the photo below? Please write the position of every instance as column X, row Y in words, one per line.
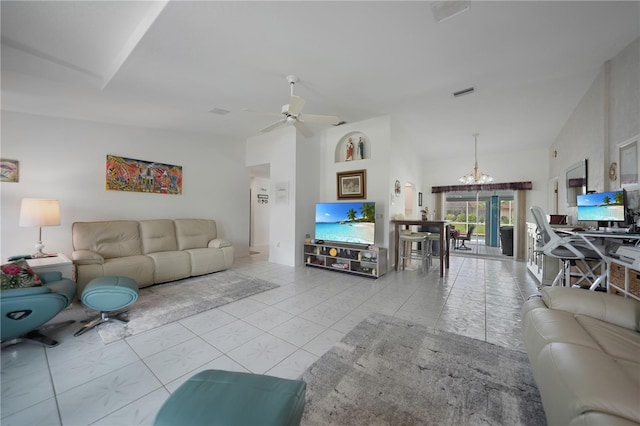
column 167, row 65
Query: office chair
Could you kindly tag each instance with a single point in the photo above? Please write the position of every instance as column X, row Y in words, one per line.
column 572, row 251
column 466, row 237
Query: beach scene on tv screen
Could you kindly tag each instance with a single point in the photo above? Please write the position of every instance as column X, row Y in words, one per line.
column 602, row 206
column 346, row 222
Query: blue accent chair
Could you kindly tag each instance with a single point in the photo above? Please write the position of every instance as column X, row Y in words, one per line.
column 25, row 310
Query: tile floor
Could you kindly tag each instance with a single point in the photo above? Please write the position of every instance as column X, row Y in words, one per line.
column 279, row 332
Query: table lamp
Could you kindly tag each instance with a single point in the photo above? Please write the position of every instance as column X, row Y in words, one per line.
column 39, row 212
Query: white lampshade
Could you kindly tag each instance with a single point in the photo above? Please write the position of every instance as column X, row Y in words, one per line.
column 39, row 212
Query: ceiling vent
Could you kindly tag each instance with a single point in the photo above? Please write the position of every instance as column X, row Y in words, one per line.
column 443, row 10
column 219, row 111
column 463, row 92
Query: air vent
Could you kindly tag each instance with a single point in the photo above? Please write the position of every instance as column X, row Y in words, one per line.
column 219, row 111
column 464, row 92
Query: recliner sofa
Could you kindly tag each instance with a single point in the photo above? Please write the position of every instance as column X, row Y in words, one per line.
column 148, row 251
column 584, row 350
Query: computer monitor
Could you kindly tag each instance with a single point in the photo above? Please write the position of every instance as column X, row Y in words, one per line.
column 602, row 207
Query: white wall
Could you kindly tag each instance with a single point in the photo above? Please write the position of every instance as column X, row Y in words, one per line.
column 376, row 163
column 521, row 166
column 607, row 115
column 65, row 159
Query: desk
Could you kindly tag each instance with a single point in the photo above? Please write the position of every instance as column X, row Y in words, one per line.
column 443, row 226
column 588, row 236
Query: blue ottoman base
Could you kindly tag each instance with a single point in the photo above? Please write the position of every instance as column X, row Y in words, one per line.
column 216, row 397
column 106, row 295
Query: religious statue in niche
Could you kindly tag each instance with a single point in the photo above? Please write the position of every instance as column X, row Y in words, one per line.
column 350, row 148
column 361, row 148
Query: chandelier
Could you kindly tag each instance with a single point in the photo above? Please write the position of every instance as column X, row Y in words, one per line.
column 476, row 176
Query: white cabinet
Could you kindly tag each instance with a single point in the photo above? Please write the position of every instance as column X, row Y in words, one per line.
column 544, row 268
column 342, row 257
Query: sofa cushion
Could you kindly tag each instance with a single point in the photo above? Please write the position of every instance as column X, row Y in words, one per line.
column 206, row 260
column 621, row 311
column 111, row 239
column 170, row 265
column 194, row 233
column 619, row 342
column 18, row 274
column 574, row 380
column 157, row 235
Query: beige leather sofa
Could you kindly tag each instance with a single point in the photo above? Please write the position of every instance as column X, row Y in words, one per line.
column 148, row 251
column 584, row 349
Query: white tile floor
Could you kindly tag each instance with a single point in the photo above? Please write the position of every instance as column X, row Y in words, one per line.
column 279, row 332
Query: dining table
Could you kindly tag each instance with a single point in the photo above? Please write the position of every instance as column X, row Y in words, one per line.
column 443, row 227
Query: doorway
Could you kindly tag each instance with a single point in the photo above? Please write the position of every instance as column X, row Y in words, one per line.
column 409, row 200
column 486, row 212
column 259, row 205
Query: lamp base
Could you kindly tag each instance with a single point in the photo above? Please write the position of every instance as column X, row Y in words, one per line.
column 39, row 253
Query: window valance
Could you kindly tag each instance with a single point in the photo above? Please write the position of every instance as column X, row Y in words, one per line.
column 483, row 187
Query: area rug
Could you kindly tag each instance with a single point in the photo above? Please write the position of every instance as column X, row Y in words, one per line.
column 387, row 371
column 164, row 303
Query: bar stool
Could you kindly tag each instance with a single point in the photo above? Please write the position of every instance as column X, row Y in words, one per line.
column 407, row 251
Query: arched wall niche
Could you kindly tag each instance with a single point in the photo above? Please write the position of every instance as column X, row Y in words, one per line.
column 360, row 148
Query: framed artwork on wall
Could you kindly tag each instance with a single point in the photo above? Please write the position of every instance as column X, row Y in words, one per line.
column 352, row 185
column 629, row 163
column 9, row 170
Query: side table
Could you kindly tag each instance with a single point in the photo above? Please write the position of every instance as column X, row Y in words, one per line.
column 59, row 263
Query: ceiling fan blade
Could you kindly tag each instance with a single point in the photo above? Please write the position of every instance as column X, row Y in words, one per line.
column 295, row 105
column 306, row 131
column 326, row 119
column 259, row 111
column 274, row 125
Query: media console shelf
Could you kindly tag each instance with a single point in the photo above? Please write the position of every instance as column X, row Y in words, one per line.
column 351, row 258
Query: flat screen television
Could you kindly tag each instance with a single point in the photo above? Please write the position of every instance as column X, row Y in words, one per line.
column 602, row 207
column 347, row 222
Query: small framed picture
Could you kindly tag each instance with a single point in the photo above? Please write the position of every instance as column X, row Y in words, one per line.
column 352, row 185
column 9, row 170
column 419, row 199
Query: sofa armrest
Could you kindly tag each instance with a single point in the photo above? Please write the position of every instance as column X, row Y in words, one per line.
column 219, row 243
column 621, row 311
column 87, row 257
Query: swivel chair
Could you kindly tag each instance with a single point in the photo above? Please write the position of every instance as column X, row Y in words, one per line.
column 24, row 310
column 571, row 250
column 466, row 237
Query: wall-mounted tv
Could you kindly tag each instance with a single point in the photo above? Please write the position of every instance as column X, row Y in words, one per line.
column 602, row 206
column 348, row 222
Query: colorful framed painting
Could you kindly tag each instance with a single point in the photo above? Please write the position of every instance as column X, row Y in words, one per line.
column 9, row 170
column 128, row 174
column 352, row 185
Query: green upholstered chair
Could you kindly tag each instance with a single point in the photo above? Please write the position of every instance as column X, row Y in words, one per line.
column 25, row 310
column 216, row 397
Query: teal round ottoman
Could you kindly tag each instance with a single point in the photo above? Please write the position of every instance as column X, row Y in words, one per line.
column 107, row 295
column 217, row 397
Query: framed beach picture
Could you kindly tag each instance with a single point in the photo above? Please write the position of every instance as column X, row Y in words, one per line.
column 8, row 170
column 352, row 185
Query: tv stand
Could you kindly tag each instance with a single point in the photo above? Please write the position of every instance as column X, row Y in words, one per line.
column 356, row 259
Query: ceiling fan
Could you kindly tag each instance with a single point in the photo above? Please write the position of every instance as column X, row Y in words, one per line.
column 292, row 113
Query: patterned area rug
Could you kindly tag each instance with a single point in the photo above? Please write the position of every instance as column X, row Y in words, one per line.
column 164, row 303
column 387, row 371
